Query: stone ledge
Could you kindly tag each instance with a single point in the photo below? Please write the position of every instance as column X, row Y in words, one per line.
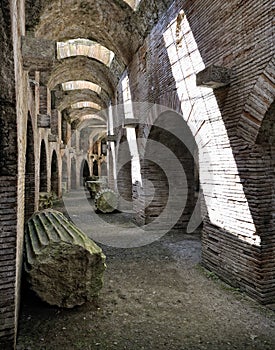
column 214, row 77
column 38, row 54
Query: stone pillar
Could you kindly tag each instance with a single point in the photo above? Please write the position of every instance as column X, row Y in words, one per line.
column 54, row 123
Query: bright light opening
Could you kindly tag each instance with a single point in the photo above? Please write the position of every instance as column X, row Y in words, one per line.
column 131, row 133
column 81, row 84
column 132, row 3
column 223, row 192
column 132, row 141
column 84, row 47
column 85, row 104
column 111, row 144
column 127, row 99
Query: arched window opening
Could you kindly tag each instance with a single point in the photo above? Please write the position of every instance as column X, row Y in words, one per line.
column 84, row 172
column 169, row 172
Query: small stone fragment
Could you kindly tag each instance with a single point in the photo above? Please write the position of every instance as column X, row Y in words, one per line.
column 106, row 201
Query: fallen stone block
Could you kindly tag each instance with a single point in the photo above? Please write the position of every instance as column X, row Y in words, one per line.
column 64, row 267
column 106, row 201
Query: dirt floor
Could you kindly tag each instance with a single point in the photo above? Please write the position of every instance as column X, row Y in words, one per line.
column 154, row 297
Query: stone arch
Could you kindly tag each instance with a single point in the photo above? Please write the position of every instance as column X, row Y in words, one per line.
column 84, row 47
column 43, row 176
column 73, row 174
column 76, row 96
column 97, row 25
column 258, row 103
column 75, row 68
column 29, row 172
column 124, row 174
column 84, row 171
column 168, row 169
column 80, row 113
column 54, row 174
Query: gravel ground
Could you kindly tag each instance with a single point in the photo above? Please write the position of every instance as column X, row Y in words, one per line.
column 155, row 296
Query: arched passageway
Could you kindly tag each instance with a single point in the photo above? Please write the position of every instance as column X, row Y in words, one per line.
column 84, row 171
column 54, row 174
column 29, row 172
column 169, row 175
column 171, row 53
column 265, row 153
column 43, row 185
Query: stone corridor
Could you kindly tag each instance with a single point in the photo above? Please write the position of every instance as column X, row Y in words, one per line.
column 167, row 103
column 155, row 296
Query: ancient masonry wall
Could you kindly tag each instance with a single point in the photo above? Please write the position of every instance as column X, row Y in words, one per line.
column 13, row 119
column 238, row 36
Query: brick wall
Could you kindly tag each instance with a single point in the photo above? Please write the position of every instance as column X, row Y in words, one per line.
column 237, row 35
column 30, row 196
column 13, row 126
column 8, row 181
column 8, row 222
column 168, row 169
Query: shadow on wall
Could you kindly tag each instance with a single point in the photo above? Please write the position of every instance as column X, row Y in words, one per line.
column 29, row 172
column 169, row 169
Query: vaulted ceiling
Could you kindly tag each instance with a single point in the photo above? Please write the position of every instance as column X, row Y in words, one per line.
column 95, row 41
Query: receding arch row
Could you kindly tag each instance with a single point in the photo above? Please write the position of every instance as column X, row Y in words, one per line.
column 80, row 98
column 68, row 76
column 113, row 24
column 84, row 47
column 89, row 121
column 76, row 68
column 93, row 20
column 64, row 99
column 86, row 113
column 49, row 170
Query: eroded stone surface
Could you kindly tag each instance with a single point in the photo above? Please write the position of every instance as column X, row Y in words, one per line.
column 64, row 267
column 106, row 201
